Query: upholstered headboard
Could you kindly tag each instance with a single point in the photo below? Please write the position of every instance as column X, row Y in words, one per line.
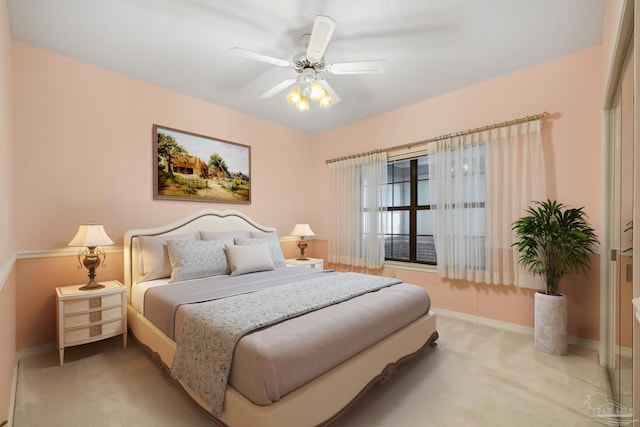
column 204, row 220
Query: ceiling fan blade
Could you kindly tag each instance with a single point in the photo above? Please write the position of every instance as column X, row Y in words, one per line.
column 278, row 88
column 323, row 28
column 360, row 67
column 330, row 90
column 260, row 57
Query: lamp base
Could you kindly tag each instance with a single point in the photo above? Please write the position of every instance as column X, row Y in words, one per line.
column 91, row 261
column 302, row 245
column 91, row 286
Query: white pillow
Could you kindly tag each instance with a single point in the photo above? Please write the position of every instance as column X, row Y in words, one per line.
column 249, row 258
column 154, row 258
column 197, row 258
column 262, row 234
column 274, row 247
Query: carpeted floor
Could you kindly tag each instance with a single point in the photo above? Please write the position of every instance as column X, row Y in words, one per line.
column 476, row 376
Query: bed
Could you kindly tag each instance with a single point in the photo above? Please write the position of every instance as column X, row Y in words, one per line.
column 284, row 372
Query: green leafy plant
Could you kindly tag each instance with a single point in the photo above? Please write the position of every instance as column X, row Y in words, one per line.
column 554, row 240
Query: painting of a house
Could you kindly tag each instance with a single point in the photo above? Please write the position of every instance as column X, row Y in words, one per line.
column 191, row 165
column 199, row 168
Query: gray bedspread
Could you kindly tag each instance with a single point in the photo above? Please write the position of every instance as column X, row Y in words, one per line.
column 271, row 362
column 211, row 329
column 161, row 303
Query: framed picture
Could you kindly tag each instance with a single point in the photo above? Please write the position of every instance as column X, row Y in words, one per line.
column 198, row 168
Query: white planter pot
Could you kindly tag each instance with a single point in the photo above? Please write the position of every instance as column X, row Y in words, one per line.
column 551, row 323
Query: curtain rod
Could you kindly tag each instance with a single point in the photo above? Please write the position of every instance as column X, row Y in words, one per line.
column 541, row 116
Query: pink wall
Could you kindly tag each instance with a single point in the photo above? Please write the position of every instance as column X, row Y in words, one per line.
column 7, row 278
column 84, row 150
column 571, row 88
column 84, row 146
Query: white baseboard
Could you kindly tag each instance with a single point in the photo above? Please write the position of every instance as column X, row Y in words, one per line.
column 34, row 351
column 498, row 324
column 624, row 351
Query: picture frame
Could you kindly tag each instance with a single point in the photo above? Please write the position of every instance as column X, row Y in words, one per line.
column 192, row 167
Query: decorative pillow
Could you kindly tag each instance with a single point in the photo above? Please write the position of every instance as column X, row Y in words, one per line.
column 154, row 259
column 249, row 258
column 274, row 247
column 216, row 235
column 197, row 258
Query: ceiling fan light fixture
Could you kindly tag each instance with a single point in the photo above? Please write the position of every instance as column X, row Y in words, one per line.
column 303, row 104
column 308, row 65
column 294, row 95
column 326, row 100
column 317, row 92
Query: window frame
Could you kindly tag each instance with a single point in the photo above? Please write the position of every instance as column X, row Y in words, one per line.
column 413, row 208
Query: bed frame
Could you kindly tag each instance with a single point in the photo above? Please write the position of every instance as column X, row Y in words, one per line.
column 319, row 402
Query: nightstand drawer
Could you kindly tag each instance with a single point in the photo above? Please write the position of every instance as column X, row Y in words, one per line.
column 83, row 319
column 85, row 304
column 309, row 262
column 92, row 331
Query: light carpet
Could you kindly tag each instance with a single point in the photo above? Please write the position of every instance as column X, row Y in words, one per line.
column 476, row 376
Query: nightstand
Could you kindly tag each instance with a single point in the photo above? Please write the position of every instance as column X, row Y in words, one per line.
column 311, row 262
column 87, row 316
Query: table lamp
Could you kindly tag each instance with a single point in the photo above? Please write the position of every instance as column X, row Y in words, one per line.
column 302, row 231
column 90, row 236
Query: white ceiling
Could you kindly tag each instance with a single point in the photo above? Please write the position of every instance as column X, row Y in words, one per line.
column 431, row 47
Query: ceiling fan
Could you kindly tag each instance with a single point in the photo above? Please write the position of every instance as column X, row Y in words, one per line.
column 309, row 66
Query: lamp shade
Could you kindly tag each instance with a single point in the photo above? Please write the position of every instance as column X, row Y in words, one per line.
column 91, row 235
column 326, row 100
column 303, row 104
column 317, row 91
column 294, row 95
column 302, row 230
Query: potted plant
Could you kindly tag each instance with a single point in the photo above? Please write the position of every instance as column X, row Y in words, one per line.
column 553, row 240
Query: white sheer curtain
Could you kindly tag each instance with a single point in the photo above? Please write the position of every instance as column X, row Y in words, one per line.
column 503, row 167
column 358, row 188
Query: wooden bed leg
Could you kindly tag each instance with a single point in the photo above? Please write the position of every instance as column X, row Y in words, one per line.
column 433, row 339
column 433, row 342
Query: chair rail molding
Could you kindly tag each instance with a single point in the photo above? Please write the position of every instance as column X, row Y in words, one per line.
column 6, row 268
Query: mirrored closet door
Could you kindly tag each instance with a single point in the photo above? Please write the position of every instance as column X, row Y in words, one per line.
column 620, row 205
column 617, row 332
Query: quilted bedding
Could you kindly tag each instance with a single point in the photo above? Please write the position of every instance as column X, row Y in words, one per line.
column 272, row 361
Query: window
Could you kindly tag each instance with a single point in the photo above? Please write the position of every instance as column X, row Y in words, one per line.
column 412, row 211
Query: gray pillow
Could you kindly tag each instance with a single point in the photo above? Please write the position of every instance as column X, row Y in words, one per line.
column 274, row 247
column 249, row 258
